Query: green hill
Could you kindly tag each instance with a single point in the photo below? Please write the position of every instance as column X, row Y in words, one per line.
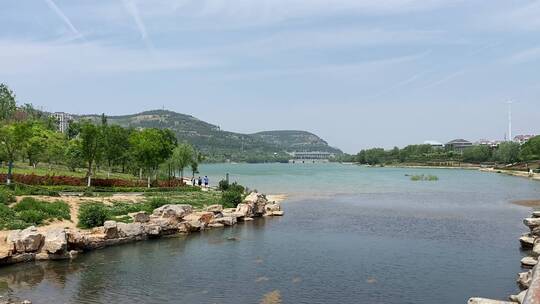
column 221, row 145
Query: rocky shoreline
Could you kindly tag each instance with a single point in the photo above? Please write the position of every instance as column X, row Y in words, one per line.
column 32, row 244
column 528, row 281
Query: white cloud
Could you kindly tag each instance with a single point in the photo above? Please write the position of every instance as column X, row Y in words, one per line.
column 133, row 11
column 63, row 16
column 47, row 59
column 525, row 56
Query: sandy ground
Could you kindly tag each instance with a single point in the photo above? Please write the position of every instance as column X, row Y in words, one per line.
column 278, row 198
column 527, row 203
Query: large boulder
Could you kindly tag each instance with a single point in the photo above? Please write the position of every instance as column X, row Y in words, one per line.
column 110, row 229
column 226, row 220
column 202, row 217
column 272, row 207
column 55, row 241
column 215, row 208
column 258, row 202
column 245, row 210
column 131, row 230
column 526, row 241
column 524, row 279
column 529, row 261
column 27, row 240
column 174, row 211
column 140, row 217
column 532, row 222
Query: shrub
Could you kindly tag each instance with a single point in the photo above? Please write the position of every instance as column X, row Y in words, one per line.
column 55, row 210
column 223, row 185
column 423, row 177
column 92, row 215
column 6, row 197
column 235, row 187
column 231, row 199
column 34, row 217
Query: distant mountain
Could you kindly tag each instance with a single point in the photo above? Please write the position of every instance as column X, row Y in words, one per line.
column 221, row 145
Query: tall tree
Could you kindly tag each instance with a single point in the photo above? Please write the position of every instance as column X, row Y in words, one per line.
column 8, row 106
column 115, row 145
column 182, row 156
column 507, row 152
column 531, row 149
column 13, row 138
column 91, row 141
column 150, row 148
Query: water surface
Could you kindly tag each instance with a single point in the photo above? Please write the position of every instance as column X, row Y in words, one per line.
column 350, row 235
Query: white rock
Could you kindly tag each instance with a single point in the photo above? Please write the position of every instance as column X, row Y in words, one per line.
column 226, row 220
column 536, row 214
column 27, row 240
column 531, row 222
column 272, row 207
column 519, row 297
column 529, row 261
column 526, row 241
column 130, row 230
column 486, row 301
column 215, row 208
column 245, row 210
column 278, row 213
column 110, row 229
column 55, row 241
column 176, row 211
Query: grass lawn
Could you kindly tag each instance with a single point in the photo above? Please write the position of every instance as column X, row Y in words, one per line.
column 60, row 170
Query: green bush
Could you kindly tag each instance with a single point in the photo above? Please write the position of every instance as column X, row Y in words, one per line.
column 235, row 187
column 231, row 199
column 93, row 215
column 423, row 177
column 54, row 210
column 223, row 185
column 6, row 197
column 34, row 217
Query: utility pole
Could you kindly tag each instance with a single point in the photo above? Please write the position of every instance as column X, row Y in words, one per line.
column 509, row 119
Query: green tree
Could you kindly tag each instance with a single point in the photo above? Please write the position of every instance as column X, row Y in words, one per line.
column 115, row 145
column 477, row 154
column 13, row 139
column 150, row 148
column 73, row 155
column 182, row 157
column 375, row 156
column 8, row 106
column 507, row 152
column 531, row 149
column 91, row 146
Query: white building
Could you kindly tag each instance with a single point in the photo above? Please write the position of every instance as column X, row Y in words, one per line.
column 434, row 143
column 521, row 139
column 62, row 121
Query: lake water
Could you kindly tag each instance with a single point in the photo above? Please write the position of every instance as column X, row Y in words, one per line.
column 350, row 234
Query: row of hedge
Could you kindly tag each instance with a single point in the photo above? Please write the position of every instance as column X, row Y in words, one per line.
column 62, row 180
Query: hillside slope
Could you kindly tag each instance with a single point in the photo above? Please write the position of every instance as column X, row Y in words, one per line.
column 221, row 145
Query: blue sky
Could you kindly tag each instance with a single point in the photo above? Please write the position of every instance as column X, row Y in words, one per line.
column 358, row 73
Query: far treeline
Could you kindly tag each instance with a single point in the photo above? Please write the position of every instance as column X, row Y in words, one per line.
column 29, row 135
column 505, row 153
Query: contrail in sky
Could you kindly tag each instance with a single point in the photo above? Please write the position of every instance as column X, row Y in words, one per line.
column 62, row 16
column 132, row 9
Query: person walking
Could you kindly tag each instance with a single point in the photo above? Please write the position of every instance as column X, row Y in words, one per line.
column 206, row 181
column 199, row 181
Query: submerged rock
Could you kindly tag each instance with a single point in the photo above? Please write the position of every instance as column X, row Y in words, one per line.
column 486, row 301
